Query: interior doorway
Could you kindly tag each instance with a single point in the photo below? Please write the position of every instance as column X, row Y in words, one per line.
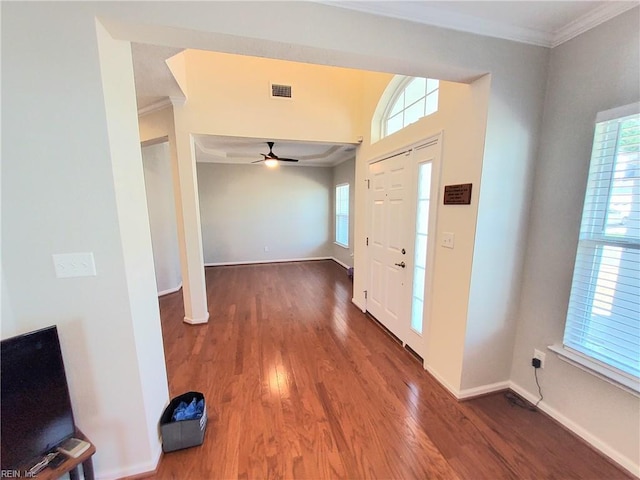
column 156, row 165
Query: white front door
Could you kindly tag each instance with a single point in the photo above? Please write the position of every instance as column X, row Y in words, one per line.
column 400, row 244
column 388, row 243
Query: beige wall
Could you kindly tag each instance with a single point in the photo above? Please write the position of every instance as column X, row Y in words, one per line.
column 230, row 95
column 461, row 117
column 156, row 125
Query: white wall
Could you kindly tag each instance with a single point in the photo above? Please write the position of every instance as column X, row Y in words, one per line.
column 596, row 71
column 245, row 208
column 344, row 173
column 59, row 196
column 499, row 238
column 156, row 161
column 133, row 221
column 6, row 310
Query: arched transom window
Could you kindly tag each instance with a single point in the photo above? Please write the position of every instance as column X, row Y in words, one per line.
column 415, row 98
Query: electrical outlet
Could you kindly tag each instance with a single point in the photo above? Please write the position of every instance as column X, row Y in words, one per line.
column 540, row 356
column 266, row 249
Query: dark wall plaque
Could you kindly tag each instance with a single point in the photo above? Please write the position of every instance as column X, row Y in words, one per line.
column 457, row 194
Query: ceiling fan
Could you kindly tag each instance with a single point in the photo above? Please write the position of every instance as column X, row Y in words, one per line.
column 271, row 159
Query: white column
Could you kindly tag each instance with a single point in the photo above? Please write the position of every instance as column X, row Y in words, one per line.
column 188, row 218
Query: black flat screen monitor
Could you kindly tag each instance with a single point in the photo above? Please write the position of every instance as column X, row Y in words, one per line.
column 35, row 403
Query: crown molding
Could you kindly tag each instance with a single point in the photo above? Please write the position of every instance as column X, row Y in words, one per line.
column 434, row 16
column 437, row 17
column 591, row 19
column 154, row 107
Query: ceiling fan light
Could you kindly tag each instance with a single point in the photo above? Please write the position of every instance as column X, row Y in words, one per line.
column 271, row 162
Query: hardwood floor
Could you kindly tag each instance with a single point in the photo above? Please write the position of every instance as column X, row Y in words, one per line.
column 300, row 384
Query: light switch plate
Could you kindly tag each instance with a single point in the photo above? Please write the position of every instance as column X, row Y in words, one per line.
column 74, row 265
column 448, row 240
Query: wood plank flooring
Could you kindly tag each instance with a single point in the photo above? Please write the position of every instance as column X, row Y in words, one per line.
column 300, row 384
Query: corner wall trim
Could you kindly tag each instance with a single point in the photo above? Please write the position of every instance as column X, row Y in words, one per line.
column 588, row 437
column 170, row 290
column 359, row 305
column 196, row 321
column 342, row 264
column 470, row 393
column 453, row 391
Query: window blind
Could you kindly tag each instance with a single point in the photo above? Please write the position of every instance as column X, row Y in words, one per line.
column 603, row 318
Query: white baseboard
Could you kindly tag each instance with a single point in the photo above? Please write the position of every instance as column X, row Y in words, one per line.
column 275, row 260
column 468, row 393
column 454, row 391
column 588, row 437
column 171, row 290
column 196, row 321
column 137, row 469
column 359, row 305
column 279, row 260
column 342, row 264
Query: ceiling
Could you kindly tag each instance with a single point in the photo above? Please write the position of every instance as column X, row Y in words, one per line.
column 153, row 79
column 217, row 149
column 543, row 23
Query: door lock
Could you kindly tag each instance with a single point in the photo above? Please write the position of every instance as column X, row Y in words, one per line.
column 401, row 264
column 404, row 251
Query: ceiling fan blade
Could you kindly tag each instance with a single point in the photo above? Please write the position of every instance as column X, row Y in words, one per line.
column 258, row 161
column 273, row 156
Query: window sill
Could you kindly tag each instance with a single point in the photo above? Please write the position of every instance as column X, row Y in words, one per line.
column 346, row 247
column 596, row 368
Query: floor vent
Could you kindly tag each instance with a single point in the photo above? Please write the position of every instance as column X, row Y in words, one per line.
column 280, row 91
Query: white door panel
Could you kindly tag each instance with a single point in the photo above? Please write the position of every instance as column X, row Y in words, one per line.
column 398, row 297
column 387, row 240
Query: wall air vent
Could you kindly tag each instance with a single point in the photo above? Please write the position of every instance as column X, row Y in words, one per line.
column 280, row 91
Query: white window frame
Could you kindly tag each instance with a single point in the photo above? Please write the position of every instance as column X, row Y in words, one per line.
column 400, row 91
column 340, row 215
column 595, row 230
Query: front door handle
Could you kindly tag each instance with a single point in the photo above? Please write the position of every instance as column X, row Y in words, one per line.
column 401, row 264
